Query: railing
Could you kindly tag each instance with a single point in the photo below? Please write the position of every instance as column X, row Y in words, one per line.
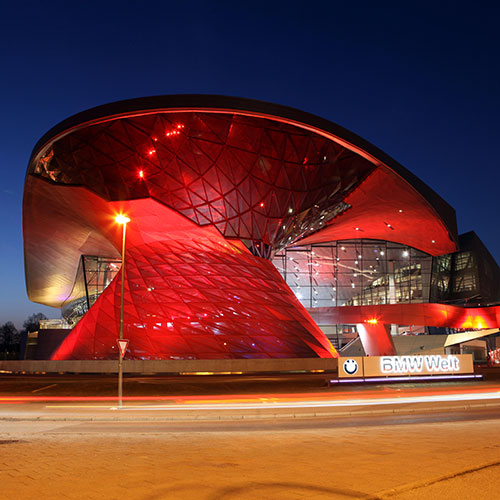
column 350, row 343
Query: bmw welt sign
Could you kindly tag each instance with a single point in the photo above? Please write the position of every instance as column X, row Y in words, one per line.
column 427, row 364
column 390, row 366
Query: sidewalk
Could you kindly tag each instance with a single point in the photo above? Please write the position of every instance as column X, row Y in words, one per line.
column 162, row 461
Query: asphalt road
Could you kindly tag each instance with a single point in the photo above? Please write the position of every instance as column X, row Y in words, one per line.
column 228, row 438
column 106, row 385
column 89, row 398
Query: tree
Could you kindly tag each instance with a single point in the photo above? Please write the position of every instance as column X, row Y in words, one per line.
column 9, row 337
column 32, row 323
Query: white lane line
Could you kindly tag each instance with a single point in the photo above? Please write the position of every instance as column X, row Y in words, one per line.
column 42, row 388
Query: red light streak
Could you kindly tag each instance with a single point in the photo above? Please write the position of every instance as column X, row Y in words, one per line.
column 386, row 392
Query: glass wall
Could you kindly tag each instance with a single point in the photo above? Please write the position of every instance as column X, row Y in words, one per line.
column 93, row 276
column 455, row 278
column 356, row 272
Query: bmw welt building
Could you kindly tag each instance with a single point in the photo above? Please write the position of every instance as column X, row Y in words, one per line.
column 255, row 231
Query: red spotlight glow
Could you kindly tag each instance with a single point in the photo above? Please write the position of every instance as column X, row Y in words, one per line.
column 175, row 131
column 141, row 174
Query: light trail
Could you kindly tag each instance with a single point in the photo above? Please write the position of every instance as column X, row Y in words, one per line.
column 377, row 396
column 266, row 404
column 396, row 392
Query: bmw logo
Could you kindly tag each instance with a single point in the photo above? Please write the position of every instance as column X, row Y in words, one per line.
column 350, row 366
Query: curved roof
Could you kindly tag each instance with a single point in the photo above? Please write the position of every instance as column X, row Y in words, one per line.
column 266, row 174
column 169, row 103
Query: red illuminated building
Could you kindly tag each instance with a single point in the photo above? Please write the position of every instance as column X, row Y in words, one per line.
column 220, row 193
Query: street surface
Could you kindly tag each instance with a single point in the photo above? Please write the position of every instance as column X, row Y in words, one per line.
column 281, row 460
column 427, row 441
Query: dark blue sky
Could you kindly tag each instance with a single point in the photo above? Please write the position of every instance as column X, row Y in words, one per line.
column 420, row 80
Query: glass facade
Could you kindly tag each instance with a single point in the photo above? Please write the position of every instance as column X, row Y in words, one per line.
column 455, row 278
column 342, row 273
column 93, row 276
column 356, row 272
column 262, row 181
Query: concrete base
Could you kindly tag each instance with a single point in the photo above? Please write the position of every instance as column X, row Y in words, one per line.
column 191, row 367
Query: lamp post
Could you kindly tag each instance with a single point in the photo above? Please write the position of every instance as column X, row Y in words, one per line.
column 123, row 220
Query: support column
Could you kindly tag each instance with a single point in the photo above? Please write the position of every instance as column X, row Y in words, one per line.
column 376, row 339
column 392, row 291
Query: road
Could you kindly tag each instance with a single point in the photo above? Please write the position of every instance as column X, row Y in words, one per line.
column 208, row 398
column 60, row 437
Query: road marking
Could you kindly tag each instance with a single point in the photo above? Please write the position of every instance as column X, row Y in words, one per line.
column 46, row 387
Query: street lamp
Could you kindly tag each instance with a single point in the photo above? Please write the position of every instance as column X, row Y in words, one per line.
column 123, row 220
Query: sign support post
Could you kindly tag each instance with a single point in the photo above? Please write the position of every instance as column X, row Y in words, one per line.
column 121, row 219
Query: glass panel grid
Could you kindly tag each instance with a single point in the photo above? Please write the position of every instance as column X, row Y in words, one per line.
column 356, row 272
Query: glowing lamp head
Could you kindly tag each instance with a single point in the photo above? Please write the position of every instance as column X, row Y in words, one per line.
column 141, row 174
column 372, row 321
column 122, row 219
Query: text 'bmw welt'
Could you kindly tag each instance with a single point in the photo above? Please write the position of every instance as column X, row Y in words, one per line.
column 417, row 364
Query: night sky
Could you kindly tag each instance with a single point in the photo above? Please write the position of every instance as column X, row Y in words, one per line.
column 420, row 80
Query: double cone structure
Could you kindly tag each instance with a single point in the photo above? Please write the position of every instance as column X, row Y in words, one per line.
column 213, row 187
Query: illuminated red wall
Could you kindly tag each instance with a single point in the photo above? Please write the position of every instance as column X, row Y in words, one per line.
column 191, row 294
column 440, row 315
